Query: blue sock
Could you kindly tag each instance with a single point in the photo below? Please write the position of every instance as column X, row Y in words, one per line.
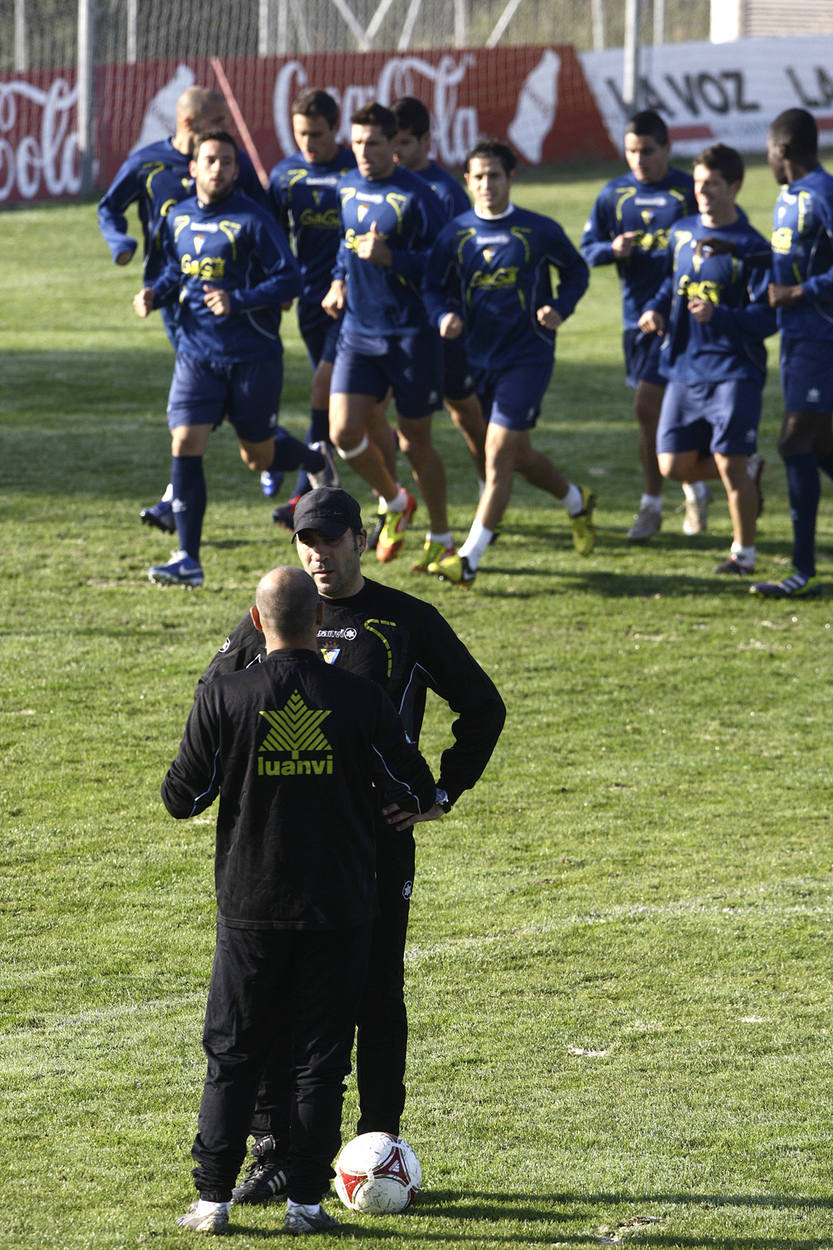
column 318, row 432
column 804, row 489
column 291, row 453
column 189, row 499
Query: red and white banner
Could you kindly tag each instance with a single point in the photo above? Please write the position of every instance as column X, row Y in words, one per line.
column 537, row 97
column 720, row 92
column 38, row 143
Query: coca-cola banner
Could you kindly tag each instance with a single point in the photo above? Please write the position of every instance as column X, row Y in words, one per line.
column 727, row 92
column 537, row 97
column 38, row 143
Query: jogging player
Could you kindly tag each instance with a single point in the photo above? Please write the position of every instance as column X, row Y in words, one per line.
column 712, row 314
column 489, row 274
column 156, row 178
column 302, row 189
column 802, row 293
column 389, row 218
column 230, row 267
column 628, row 227
column 412, row 147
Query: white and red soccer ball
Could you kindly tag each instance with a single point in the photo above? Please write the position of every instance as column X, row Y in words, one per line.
column 378, row 1174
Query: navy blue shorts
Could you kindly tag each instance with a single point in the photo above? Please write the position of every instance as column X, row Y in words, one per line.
column 409, row 363
column 248, row 393
column 458, row 378
column 513, row 397
column 642, row 357
column 807, row 375
column 712, row 417
column 320, row 334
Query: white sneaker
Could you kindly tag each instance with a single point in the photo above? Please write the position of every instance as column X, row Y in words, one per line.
column 205, row 1217
column 298, row 1221
column 697, row 514
column 328, row 476
column 646, row 523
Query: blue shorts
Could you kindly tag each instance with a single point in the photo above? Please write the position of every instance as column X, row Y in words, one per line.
column 410, row 364
column 458, row 378
column 807, row 375
column 320, row 334
column 513, row 397
column 248, row 393
column 642, row 357
column 712, row 417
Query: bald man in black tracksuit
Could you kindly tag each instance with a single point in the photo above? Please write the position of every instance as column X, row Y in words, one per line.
column 299, row 753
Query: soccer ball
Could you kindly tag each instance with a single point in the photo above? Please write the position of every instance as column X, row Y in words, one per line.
column 377, row 1173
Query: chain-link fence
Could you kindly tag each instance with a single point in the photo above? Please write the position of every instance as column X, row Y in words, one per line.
column 42, row 34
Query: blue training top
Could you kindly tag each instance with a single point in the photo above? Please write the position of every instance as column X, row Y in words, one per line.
column 303, row 196
column 239, row 247
column 495, row 273
column 802, row 252
column 733, row 275
column 156, row 178
column 383, row 300
column 648, row 208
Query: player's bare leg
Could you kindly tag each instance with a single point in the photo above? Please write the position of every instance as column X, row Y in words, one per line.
column 349, row 417
column 257, row 456
column 743, row 505
column 688, row 466
column 382, row 433
column 647, row 404
column 320, row 390
column 467, row 415
column 509, row 452
column 428, row 469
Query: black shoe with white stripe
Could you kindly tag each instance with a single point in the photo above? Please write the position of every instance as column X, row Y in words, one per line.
column 265, row 1178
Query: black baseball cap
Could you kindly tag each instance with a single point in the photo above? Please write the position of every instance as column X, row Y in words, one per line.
column 327, row 509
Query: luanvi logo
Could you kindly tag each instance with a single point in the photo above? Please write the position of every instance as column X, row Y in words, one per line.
column 294, row 730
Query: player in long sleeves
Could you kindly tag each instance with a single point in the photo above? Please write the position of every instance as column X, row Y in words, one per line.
column 489, row 274
column 407, row 647
column 628, row 227
column 302, row 191
column 412, row 149
column 154, row 179
column 389, row 219
column 713, row 315
column 802, row 293
column 231, row 268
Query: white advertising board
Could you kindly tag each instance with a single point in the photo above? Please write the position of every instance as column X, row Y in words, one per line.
column 720, row 92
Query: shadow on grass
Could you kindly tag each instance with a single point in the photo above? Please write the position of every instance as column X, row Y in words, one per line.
column 613, row 585
column 506, row 1211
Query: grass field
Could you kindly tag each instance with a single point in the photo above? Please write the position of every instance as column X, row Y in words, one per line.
column 620, row 954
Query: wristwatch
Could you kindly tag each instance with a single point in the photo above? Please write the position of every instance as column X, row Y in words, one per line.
column 442, row 800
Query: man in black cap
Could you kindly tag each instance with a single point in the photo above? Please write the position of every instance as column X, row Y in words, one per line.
column 407, row 647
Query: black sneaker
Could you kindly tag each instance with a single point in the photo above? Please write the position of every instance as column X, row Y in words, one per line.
column 265, row 1178
column 731, row 565
column 375, row 530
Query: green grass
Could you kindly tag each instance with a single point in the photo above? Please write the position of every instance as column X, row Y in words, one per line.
column 619, row 960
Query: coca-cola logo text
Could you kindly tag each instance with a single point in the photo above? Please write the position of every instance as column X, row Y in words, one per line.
column 455, row 130
column 31, row 164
